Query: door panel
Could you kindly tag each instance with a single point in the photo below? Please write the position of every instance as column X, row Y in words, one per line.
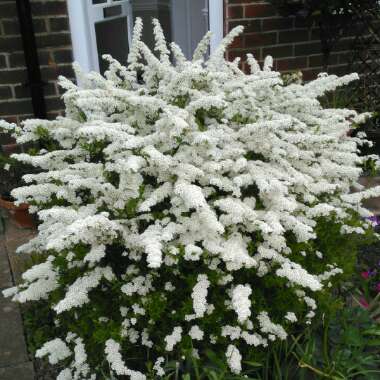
column 106, row 42
column 190, row 23
column 105, row 26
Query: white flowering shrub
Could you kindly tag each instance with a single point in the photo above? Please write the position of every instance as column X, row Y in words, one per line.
column 195, row 209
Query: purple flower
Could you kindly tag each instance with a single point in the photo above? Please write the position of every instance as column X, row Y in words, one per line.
column 375, row 219
column 368, row 273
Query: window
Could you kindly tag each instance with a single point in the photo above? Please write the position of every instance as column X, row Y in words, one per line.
column 105, row 26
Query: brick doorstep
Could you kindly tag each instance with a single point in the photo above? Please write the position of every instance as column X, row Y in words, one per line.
column 14, row 360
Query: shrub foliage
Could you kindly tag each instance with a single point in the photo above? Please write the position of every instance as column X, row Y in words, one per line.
column 198, row 208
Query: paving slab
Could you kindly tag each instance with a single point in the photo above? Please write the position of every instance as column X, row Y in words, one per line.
column 13, row 348
column 14, row 361
column 22, row 371
column 5, row 271
column 14, row 238
column 372, row 204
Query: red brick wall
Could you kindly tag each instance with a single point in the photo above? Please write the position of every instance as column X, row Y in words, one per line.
column 288, row 40
column 54, row 48
column 292, row 43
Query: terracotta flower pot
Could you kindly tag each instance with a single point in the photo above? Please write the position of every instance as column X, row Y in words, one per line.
column 19, row 214
column 9, row 149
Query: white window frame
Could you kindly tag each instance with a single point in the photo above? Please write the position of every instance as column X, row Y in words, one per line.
column 82, row 26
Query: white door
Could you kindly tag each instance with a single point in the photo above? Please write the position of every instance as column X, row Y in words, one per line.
column 105, row 26
column 190, row 24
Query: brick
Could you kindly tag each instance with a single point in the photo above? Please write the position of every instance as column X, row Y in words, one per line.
column 345, row 58
column 39, row 25
column 239, row 1
column 10, row 119
column 24, row 117
column 13, row 76
column 23, row 91
column 278, row 23
column 54, row 104
column 315, row 34
column 301, row 22
column 250, row 26
column 53, row 115
column 59, row 24
column 44, row 57
column 308, row 49
column 291, row 63
column 17, row 59
column 279, row 51
column 238, row 42
column 291, row 36
column 3, row 61
column 63, row 56
column 235, row 11
column 54, row 71
column 5, row 93
column 259, row 10
column 343, row 44
column 12, row 27
column 53, row 40
column 8, row 44
column 310, row 74
column 8, row 9
column 338, row 70
column 232, row 54
column 317, row 60
column 16, row 107
column 260, row 39
column 48, row 8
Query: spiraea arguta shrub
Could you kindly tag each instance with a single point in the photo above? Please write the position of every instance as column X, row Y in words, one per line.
column 200, row 208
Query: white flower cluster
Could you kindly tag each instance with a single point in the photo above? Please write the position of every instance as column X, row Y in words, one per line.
column 55, row 349
column 199, row 295
column 172, row 339
column 241, row 302
column 159, row 197
column 233, row 359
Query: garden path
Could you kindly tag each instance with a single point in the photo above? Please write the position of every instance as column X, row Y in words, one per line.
column 14, row 361
column 374, row 203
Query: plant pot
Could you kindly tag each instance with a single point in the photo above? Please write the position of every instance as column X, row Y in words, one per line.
column 19, row 214
column 9, row 149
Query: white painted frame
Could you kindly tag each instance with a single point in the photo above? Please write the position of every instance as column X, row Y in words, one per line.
column 216, row 22
column 83, row 15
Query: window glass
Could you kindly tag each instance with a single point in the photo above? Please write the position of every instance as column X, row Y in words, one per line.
column 183, row 21
column 112, row 38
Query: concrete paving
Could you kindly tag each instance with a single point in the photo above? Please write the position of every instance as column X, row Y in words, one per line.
column 15, row 363
column 372, row 204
